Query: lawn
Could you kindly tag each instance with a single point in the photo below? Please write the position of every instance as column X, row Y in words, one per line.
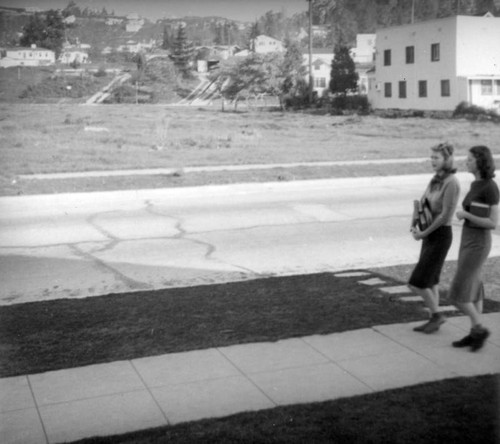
column 458, row 411
column 69, row 138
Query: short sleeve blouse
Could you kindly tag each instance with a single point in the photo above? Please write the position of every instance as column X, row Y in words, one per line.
column 483, row 191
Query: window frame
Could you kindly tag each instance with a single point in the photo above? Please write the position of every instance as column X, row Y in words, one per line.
column 486, row 87
column 445, row 88
column 410, row 54
column 435, row 52
column 402, row 89
column 422, row 88
column 387, row 89
column 387, row 57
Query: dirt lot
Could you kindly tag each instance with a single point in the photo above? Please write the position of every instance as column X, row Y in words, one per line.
column 70, row 138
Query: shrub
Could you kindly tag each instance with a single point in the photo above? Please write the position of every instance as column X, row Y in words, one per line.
column 351, row 103
column 474, row 112
column 101, row 72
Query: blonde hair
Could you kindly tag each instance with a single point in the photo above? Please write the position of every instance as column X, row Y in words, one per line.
column 446, row 149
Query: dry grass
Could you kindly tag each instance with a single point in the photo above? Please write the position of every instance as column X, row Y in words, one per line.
column 54, row 138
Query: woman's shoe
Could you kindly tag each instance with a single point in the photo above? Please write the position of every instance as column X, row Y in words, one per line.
column 479, row 336
column 433, row 325
column 421, row 327
column 464, row 342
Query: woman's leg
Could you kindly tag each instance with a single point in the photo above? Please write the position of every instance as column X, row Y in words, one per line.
column 469, row 309
column 431, row 300
column 429, row 297
column 478, row 334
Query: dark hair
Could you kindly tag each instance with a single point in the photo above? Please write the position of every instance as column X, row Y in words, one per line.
column 446, row 150
column 484, row 161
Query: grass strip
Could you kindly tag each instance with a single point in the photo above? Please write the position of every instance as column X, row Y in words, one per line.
column 458, row 410
column 50, row 335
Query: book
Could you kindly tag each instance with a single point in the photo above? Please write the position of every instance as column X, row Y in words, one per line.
column 478, row 209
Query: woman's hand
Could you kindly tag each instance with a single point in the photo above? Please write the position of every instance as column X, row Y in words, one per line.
column 416, row 233
column 460, row 215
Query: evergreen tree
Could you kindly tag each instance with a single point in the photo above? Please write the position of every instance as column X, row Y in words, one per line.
column 252, row 35
column 182, row 52
column 218, row 40
column 343, row 75
column 44, row 31
column 166, row 43
column 293, row 69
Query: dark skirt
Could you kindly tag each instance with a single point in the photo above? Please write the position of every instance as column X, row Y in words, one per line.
column 432, row 256
column 474, row 249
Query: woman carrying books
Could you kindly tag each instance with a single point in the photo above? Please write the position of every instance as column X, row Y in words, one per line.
column 441, row 197
column 480, row 216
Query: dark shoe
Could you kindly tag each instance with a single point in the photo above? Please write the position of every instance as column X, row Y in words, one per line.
column 433, row 325
column 479, row 336
column 421, row 327
column 464, row 342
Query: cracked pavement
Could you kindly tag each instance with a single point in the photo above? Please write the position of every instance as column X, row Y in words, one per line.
column 91, row 244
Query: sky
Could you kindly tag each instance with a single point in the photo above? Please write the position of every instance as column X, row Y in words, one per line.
column 245, row 10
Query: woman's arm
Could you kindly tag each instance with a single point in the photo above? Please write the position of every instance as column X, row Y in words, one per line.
column 489, row 223
column 450, row 199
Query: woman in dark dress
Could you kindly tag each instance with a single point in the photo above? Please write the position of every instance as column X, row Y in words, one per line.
column 467, row 291
column 442, row 194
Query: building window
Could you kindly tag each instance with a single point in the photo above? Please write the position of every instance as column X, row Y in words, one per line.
column 486, row 87
column 402, row 90
column 319, row 82
column 497, row 84
column 387, row 57
column 410, row 54
column 422, row 88
column 387, row 89
column 435, row 52
column 445, row 88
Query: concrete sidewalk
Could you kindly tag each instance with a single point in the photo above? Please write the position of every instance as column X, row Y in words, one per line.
column 119, row 397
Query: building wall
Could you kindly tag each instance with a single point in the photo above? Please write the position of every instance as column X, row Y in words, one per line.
column 478, row 46
column 264, row 44
column 365, row 48
column 469, row 54
column 27, row 57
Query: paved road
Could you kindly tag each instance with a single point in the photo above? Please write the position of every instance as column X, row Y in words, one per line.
column 79, row 245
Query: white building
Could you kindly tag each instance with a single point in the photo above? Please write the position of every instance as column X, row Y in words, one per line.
column 69, row 56
column 364, row 52
column 264, row 44
column 437, row 64
column 321, row 62
column 27, row 57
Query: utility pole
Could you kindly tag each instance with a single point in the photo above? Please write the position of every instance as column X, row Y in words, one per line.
column 310, row 53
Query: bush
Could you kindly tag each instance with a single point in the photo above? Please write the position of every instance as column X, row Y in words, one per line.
column 101, row 72
column 354, row 103
column 474, row 112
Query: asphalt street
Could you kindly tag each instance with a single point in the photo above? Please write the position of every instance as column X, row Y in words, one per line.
column 89, row 244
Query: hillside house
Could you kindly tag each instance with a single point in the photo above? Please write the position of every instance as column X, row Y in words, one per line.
column 321, row 61
column 437, row 64
column 69, row 56
column 364, row 52
column 111, row 21
column 264, row 44
column 27, row 57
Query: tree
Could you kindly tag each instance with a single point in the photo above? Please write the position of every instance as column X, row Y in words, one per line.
column 252, row 35
column 182, row 52
column 250, row 77
column 343, row 75
column 71, row 9
column 166, row 42
column 293, row 68
column 44, row 31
